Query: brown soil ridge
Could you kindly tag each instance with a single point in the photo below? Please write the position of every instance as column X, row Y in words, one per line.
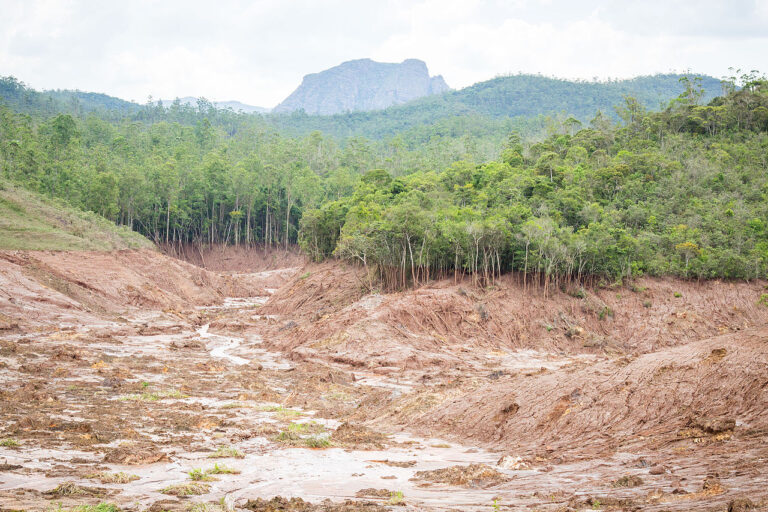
column 69, row 287
column 326, row 314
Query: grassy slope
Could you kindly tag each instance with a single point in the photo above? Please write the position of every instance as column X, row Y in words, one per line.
column 29, row 221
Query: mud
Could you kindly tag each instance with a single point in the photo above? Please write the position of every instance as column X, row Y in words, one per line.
column 137, row 379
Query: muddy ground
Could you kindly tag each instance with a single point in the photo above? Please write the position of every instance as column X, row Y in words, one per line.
column 139, row 380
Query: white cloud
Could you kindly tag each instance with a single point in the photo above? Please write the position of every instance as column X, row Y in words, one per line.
column 257, row 52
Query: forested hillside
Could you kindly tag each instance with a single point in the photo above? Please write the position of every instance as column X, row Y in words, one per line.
column 494, row 105
column 681, row 191
column 187, row 174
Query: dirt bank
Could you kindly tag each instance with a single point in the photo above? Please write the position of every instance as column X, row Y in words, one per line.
column 141, row 380
column 59, row 287
column 243, row 259
column 329, row 315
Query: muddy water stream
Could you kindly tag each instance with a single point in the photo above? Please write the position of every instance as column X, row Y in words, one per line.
column 268, row 468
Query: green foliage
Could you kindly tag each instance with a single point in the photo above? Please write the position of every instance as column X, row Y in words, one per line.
column 29, row 221
column 101, row 507
column 222, row 469
column 681, row 191
column 397, row 498
column 224, row 452
column 659, row 195
column 154, row 396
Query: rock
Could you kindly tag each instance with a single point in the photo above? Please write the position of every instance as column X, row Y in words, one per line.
column 657, row 470
column 362, row 85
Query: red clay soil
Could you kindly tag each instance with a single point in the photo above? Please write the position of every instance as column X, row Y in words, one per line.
column 664, row 379
column 328, row 315
column 51, row 288
column 227, row 258
column 663, row 374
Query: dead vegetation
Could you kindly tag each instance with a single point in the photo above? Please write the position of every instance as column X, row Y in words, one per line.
column 280, row 504
column 473, row 475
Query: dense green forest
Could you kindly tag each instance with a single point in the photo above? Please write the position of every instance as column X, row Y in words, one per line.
column 681, row 191
column 196, row 174
column 496, row 106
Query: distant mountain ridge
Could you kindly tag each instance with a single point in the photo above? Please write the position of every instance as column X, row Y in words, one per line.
column 485, row 104
column 362, row 85
column 237, row 106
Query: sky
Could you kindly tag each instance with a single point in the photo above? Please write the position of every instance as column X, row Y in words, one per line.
column 258, row 51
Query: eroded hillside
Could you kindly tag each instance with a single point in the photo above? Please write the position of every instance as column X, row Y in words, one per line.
column 137, row 379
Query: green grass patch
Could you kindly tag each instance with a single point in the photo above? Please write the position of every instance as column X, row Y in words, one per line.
column 317, row 442
column 101, row 507
column 281, row 411
column 153, row 396
column 224, row 452
column 397, row 498
column 9, row 443
column 222, row 469
column 113, row 478
column 30, row 221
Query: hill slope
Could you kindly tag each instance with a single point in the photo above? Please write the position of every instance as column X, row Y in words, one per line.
column 487, row 103
column 29, row 221
column 362, row 85
column 237, row 106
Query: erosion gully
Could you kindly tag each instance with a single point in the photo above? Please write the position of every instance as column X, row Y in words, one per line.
column 160, row 404
column 155, row 396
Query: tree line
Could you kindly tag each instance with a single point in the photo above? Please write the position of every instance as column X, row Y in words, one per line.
column 683, row 192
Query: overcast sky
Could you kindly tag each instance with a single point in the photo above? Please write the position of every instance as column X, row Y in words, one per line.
column 257, row 51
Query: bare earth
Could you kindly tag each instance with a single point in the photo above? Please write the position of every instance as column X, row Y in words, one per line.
column 295, row 389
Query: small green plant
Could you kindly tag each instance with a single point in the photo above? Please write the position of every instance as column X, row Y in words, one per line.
column 763, row 300
column 304, row 276
column 397, row 498
column 235, row 405
column 288, row 437
column 222, row 469
column 596, row 505
column 223, row 452
column 678, row 295
column 317, row 442
column 281, row 411
column 198, row 475
column 154, row 396
column 101, row 507
column 647, row 303
column 605, row 312
column 311, row 427
column 496, row 507
column 9, row 443
column 144, row 384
